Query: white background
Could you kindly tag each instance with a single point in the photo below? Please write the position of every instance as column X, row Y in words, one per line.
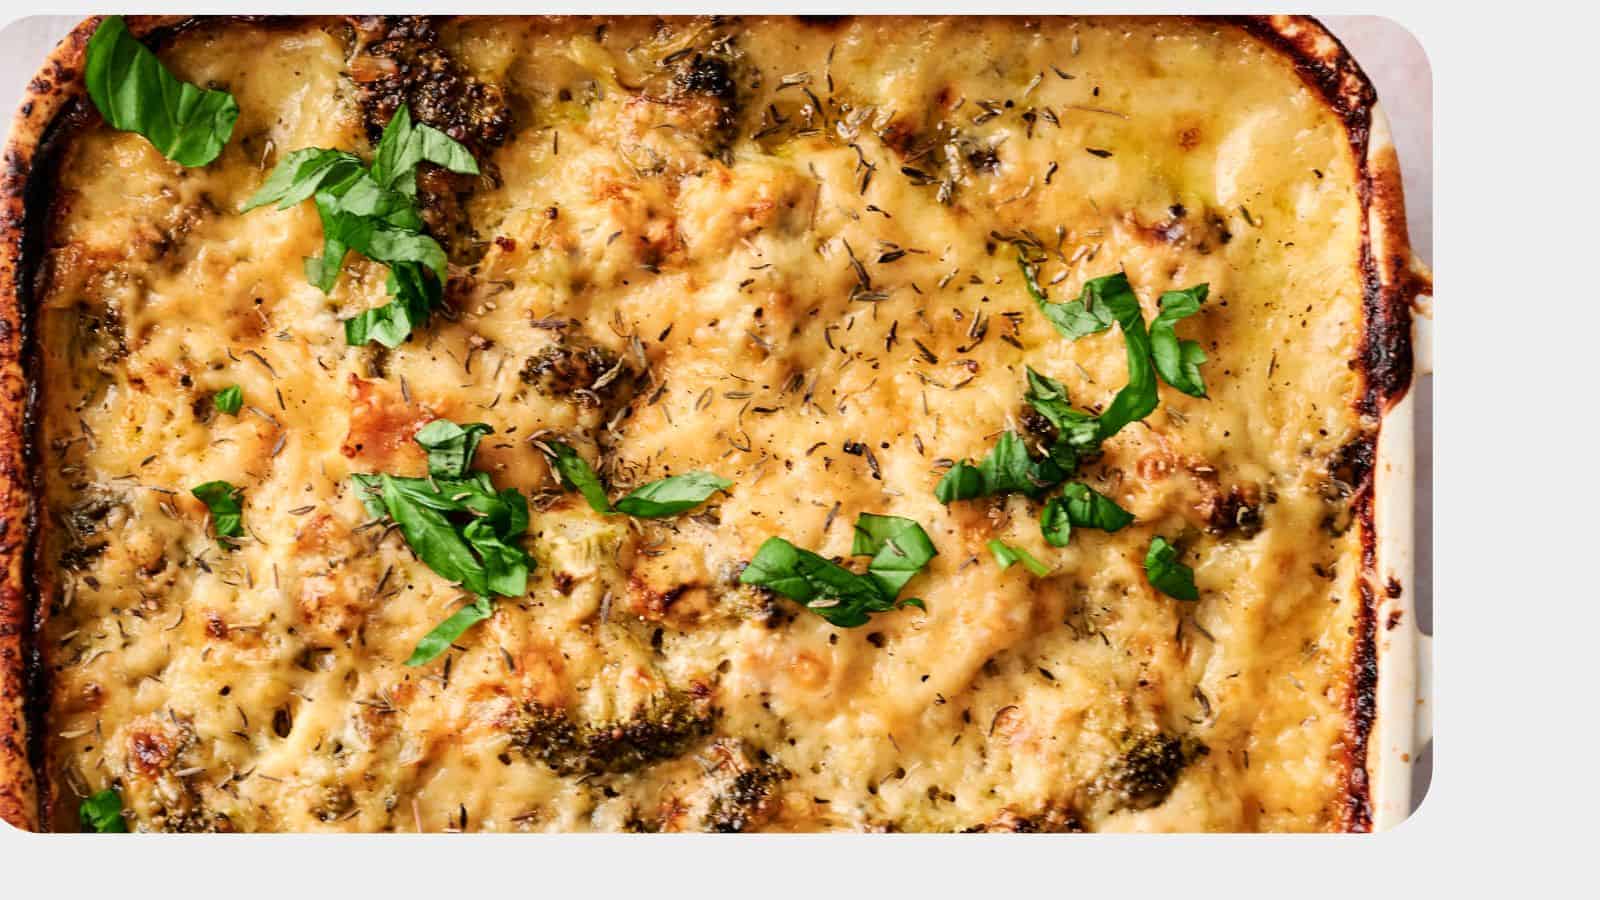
column 1511, row 808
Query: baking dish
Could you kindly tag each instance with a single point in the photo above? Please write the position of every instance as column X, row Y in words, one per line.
column 1383, row 734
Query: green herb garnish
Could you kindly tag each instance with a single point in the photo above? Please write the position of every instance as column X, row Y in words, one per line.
column 372, row 210
column 450, row 446
column 1007, row 556
column 101, row 812
column 1008, row 468
column 1077, row 432
column 1178, row 361
column 899, row 548
column 458, row 525
column 134, row 92
column 1076, row 318
column 227, row 514
column 658, row 499
column 1110, row 299
column 229, row 400
column 1166, row 573
column 672, row 495
column 445, row 633
column 1082, row 506
column 1138, row 398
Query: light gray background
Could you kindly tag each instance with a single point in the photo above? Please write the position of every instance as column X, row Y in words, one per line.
column 1392, row 58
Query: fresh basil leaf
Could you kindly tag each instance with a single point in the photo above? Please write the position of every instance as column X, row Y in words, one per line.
column 439, row 639
column 962, row 482
column 370, row 489
column 664, row 497
column 1082, row 506
column 405, row 145
column 833, row 592
column 416, row 294
column 1008, row 468
column 298, row 176
column 376, row 230
column 1138, row 398
column 134, row 92
column 431, row 536
column 505, row 567
column 1167, row 574
column 1077, row 318
column 672, row 495
column 457, row 524
column 450, row 446
column 373, row 211
column 576, row 474
column 1088, row 508
column 1078, row 433
column 899, row 549
column 1054, row 523
column 1178, row 361
column 222, row 498
column 1007, row 556
column 229, row 400
column 101, row 812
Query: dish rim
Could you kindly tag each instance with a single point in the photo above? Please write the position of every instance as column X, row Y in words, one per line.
column 1381, row 734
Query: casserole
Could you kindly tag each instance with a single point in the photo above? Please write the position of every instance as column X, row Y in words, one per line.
column 1363, row 685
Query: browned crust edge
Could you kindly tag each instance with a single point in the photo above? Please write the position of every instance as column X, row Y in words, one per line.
column 1391, row 285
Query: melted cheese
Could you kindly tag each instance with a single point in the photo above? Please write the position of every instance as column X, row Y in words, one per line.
column 263, row 688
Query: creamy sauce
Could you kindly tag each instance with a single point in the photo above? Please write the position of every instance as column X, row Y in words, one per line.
column 710, row 253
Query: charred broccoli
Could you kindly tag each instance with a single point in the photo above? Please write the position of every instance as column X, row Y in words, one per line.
column 1147, row 767
column 660, row 730
column 747, row 800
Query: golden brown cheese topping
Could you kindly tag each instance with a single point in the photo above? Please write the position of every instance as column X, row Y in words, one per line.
column 771, row 249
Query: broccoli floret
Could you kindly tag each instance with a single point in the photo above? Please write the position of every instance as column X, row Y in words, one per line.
column 1147, row 767
column 747, row 799
column 661, row 730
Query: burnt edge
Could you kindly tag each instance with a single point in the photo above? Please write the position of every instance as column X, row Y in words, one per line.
column 1391, row 284
column 53, row 106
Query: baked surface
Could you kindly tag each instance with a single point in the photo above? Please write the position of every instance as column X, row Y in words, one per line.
column 812, row 255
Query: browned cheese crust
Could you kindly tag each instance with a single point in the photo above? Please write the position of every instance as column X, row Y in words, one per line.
column 771, row 248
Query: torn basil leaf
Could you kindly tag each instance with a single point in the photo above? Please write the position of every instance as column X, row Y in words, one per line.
column 1138, row 398
column 134, row 92
column 1079, row 506
column 457, row 524
column 298, row 176
column 222, row 498
column 450, row 446
column 577, row 475
column 658, row 499
column 101, row 812
column 671, row 495
column 1077, row 432
column 1007, row 556
column 1178, row 361
column 1008, row 468
column 899, row 549
column 415, row 293
column 405, row 145
column 229, row 400
column 1088, row 508
column 1167, row 574
column 444, row 634
column 1054, row 523
column 372, row 210
column 1076, row 318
